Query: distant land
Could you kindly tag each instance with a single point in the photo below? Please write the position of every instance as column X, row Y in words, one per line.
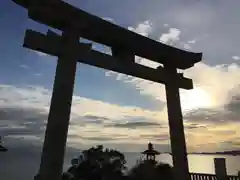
column 233, row 153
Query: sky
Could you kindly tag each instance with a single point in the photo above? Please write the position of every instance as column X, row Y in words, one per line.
column 117, row 110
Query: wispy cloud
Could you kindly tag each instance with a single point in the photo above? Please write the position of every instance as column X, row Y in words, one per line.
column 108, row 19
column 135, row 125
column 192, row 41
column 186, row 46
column 24, row 66
column 37, row 74
column 166, row 25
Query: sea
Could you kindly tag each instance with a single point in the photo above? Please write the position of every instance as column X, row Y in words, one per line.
column 22, row 164
column 197, row 163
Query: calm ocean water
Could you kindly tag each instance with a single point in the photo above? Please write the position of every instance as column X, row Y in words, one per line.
column 22, row 163
column 197, row 163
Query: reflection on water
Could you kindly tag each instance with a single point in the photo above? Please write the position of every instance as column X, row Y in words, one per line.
column 197, row 163
column 205, row 163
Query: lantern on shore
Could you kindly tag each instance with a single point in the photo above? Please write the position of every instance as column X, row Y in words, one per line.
column 150, row 153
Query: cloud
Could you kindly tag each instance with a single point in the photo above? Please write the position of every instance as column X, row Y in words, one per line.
column 86, row 107
column 153, row 90
column 96, row 117
column 95, row 138
column 236, row 58
column 227, row 113
column 134, row 125
column 217, row 125
column 207, row 84
column 207, row 80
column 166, row 25
column 233, row 104
column 209, row 139
column 39, row 97
column 156, row 137
column 143, row 28
column 171, row 37
column 211, row 116
column 192, row 41
column 108, row 19
column 195, row 126
column 25, row 122
column 23, row 117
column 146, row 62
column 37, row 74
column 93, row 122
column 122, row 122
column 24, row 66
column 24, row 111
column 210, row 105
column 186, row 46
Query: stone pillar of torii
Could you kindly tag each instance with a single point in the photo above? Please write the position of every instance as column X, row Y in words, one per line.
column 75, row 23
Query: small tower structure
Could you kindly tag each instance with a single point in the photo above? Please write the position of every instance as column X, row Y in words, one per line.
column 150, row 154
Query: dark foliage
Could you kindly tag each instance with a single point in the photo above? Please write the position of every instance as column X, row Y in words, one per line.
column 2, row 148
column 98, row 163
column 151, row 170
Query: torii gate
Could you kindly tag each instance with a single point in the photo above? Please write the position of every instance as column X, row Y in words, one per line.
column 75, row 23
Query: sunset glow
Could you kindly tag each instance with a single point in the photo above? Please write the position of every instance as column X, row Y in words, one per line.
column 196, row 98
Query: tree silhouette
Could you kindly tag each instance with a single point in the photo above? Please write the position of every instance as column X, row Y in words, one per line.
column 150, row 170
column 97, row 163
column 2, row 148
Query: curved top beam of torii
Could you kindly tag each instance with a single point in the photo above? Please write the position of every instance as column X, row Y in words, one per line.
column 60, row 15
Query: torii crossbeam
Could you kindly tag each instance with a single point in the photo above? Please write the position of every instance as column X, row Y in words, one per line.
column 125, row 45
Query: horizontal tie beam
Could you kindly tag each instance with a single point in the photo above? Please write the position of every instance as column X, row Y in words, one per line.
column 52, row 44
